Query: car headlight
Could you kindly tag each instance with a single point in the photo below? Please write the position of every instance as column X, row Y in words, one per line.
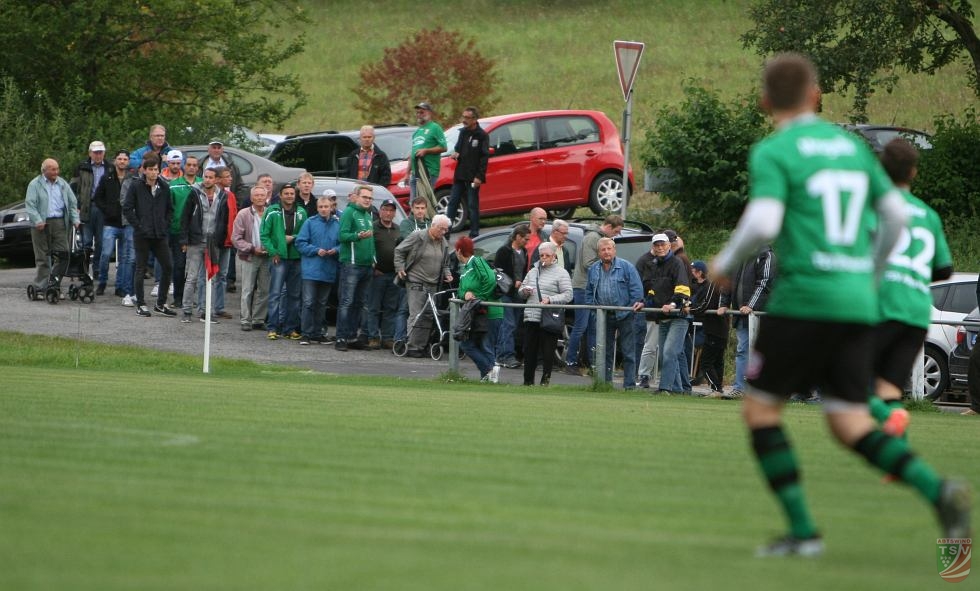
column 21, row 217
column 403, row 183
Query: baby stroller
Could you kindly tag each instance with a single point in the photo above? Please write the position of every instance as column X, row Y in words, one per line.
column 438, row 303
column 76, row 268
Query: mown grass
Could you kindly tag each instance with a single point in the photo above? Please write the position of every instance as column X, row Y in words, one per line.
column 132, row 478
column 554, row 55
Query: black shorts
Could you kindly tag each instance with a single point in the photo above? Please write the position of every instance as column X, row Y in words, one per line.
column 896, row 347
column 795, row 356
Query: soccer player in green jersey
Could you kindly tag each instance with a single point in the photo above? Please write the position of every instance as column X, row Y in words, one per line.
column 920, row 256
column 824, row 201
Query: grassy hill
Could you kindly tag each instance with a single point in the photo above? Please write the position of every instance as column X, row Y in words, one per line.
column 559, row 55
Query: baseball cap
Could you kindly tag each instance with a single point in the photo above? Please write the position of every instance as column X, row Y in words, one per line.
column 700, row 266
column 660, row 238
column 671, row 235
column 424, row 105
column 216, row 142
column 329, row 193
column 96, row 146
column 174, row 155
column 388, row 203
column 288, row 186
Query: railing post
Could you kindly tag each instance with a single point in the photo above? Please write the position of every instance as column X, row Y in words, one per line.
column 919, row 375
column 453, row 345
column 599, row 363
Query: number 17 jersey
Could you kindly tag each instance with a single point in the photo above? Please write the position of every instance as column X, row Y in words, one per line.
column 829, row 182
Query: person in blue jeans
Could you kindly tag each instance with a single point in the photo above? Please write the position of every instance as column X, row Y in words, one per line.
column 280, row 226
column 115, row 230
column 317, row 242
column 357, row 258
column 511, row 258
column 615, row 282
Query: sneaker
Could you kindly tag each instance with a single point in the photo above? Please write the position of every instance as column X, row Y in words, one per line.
column 510, row 363
column 897, row 423
column 547, row 382
column 204, row 318
column 485, row 379
column 953, row 508
column 164, row 310
column 495, row 374
column 294, row 336
column 129, row 300
column 969, row 413
column 357, row 344
column 327, row 339
column 246, row 327
column 790, row 546
column 733, row 395
column 644, row 382
column 340, row 345
column 186, row 318
column 143, row 311
column 373, row 345
column 231, row 288
column 258, row 325
column 272, row 336
column 388, row 345
column 155, row 291
column 304, row 340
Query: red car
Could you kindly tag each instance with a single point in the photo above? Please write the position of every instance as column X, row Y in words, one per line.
column 558, row 160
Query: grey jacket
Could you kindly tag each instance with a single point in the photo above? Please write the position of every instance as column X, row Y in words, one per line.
column 555, row 285
column 408, row 252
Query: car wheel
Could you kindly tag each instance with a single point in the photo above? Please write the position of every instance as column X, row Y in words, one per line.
column 606, row 194
column 442, row 204
column 562, row 214
column 936, row 371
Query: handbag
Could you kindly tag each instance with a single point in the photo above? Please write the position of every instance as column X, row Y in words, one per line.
column 504, row 283
column 552, row 319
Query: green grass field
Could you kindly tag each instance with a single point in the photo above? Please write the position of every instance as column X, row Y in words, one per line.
column 265, row 478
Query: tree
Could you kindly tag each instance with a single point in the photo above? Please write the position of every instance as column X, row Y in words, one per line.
column 198, row 66
column 435, row 65
column 705, row 143
column 859, row 45
column 949, row 178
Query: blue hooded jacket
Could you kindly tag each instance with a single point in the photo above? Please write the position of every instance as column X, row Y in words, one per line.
column 315, row 234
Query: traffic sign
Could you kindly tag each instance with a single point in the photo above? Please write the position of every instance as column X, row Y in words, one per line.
column 627, row 62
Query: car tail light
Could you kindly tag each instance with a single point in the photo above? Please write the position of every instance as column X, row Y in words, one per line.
column 960, row 335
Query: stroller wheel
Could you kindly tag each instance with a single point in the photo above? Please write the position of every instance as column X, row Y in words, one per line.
column 435, row 352
column 86, row 294
column 52, row 295
column 31, row 293
column 400, row 348
column 73, row 292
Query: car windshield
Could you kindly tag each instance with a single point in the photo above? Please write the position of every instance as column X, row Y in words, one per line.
column 452, row 135
column 396, row 145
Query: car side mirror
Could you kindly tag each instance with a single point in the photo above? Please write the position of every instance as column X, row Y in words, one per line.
column 492, row 151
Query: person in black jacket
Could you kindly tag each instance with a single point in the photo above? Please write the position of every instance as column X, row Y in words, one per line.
column 713, row 336
column 667, row 288
column 749, row 291
column 471, row 154
column 511, row 259
column 369, row 162
column 148, row 209
column 115, row 234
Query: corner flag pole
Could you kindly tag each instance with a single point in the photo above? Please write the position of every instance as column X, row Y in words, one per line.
column 207, row 327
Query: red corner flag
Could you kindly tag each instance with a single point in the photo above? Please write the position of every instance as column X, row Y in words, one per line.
column 210, row 267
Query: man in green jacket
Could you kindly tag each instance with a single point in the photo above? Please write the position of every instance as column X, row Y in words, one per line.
column 477, row 281
column 428, row 144
column 357, row 258
column 280, row 225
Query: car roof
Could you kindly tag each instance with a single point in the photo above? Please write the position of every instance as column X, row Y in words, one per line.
column 551, row 113
column 382, row 129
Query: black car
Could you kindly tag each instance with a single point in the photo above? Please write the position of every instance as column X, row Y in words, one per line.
column 959, row 357
column 325, row 153
column 15, row 232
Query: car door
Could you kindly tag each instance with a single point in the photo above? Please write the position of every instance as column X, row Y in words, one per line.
column 569, row 145
column 516, row 179
column 959, row 299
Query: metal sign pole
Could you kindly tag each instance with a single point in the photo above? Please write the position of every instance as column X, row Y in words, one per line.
column 627, row 125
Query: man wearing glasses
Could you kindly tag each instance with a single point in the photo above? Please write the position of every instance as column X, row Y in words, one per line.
column 559, row 234
column 471, row 153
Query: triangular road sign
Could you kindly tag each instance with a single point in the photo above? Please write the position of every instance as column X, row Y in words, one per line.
column 627, row 61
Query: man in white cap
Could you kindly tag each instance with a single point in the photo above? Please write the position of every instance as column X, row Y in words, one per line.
column 88, row 175
column 217, row 158
column 175, row 164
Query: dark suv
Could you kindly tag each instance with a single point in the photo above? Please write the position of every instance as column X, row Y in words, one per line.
column 325, row 153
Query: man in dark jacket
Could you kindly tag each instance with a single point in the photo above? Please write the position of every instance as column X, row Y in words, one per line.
column 713, row 336
column 84, row 182
column 666, row 287
column 471, row 154
column 750, row 289
column 115, row 234
column 203, row 225
column 511, row 259
column 148, row 208
column 369, row 162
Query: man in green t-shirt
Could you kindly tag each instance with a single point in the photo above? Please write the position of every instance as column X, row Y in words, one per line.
column 832, row 214
column 428, row 143
column 920, row 257
column 180, row 190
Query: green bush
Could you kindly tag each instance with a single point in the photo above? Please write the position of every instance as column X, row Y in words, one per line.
column 705, row 142
column 949, row 178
